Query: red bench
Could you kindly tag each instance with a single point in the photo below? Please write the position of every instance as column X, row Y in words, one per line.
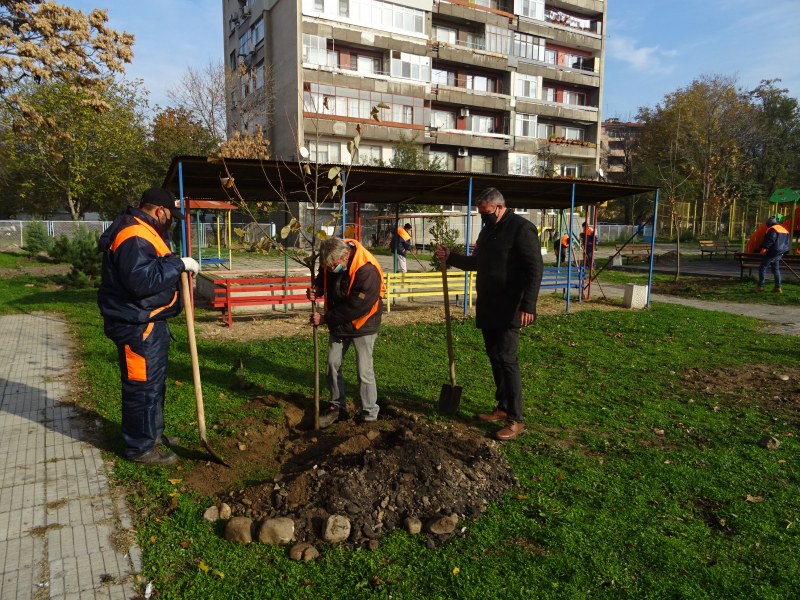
column 258, row 291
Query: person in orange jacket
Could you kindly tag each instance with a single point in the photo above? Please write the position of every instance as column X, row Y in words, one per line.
column 401, row 243
column 351, row 280
column 774, row 246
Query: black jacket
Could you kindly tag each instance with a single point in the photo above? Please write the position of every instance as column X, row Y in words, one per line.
column 508, row 259
column 341, row 308
column 139, row 280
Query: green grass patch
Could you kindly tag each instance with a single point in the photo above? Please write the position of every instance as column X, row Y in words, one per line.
column 633, row 483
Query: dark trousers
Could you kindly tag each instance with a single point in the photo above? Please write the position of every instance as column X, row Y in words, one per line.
column 501, row 348
column 774, row 262
column 142, row 352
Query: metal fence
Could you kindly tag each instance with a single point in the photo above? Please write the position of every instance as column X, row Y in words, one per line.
column 12, row 233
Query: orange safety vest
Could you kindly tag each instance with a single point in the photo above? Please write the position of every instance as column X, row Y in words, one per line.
column 565, row 240
column 404, row 235
column 361, row 257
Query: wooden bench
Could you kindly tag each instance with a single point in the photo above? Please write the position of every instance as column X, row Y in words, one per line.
column 634, row 251
column 258, row 291
column 559, row 278
column 712, row 247
column 750, row 261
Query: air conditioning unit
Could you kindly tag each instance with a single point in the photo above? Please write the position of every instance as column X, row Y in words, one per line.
column 464, row 112
column 463, row 151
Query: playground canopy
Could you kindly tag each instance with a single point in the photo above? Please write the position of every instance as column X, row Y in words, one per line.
column 201, row 177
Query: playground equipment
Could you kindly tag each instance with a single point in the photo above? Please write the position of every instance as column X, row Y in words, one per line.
column 221, row 221
column 781, row 202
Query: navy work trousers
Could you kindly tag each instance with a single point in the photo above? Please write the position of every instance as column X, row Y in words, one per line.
column 142, row 351
column 501, row 348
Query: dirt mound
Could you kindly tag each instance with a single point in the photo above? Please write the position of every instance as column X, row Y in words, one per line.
column 375, row 474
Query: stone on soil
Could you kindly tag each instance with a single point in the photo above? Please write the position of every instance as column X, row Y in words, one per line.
column 239, row 530
column 414, row 525
column 211, row 514
column 276, row 532
column 337, row 529
column 303, row 551
column 441, row 525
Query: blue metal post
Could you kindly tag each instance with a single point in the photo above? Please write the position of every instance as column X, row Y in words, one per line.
column 653, row 250
column 467, row 291
column 344, row 202
column 183, row 222
column 569, row 250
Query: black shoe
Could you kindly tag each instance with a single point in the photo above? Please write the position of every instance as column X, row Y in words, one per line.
column 163, row 458
column 169, row 440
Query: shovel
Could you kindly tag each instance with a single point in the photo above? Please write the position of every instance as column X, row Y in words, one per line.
column 198, row 390
column 450, row 396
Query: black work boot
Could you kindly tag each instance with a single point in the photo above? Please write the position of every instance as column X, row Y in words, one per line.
column 156, row 456
column 169, row 440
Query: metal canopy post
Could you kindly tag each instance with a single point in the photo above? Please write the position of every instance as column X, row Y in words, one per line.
column 569, row 251
column 394, row 233
column 467, row 291
column 183, row 210
column 652, row 251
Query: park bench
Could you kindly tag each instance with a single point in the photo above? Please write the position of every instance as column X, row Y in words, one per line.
column 557, row 278
column 258, row 291
column 712, row 247
column 751, row 260
column 634, row 251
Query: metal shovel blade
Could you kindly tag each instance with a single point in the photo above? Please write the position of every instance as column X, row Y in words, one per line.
column 449, row 399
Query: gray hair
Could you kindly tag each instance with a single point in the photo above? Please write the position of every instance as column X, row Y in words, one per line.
column 333, row 250
column 490, row 196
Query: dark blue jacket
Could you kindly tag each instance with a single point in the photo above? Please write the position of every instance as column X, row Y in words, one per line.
column 776, row 240
column 140, row 276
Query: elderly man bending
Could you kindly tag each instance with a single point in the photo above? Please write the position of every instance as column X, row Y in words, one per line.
column 351, row 281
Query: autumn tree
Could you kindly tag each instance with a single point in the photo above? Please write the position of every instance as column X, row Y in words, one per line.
column 45, row 42
column 95, row 162
column 710, row 122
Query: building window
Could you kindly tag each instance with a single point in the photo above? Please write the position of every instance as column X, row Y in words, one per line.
column 442, row 77
column 319, row 5
column 476, row 41
column 481, row 164
column 550, row 57
column 526, row 125
column 403, row 114
column 574, row 98
column 366, row 64
column 368, row 155
column 550, row 94
column 527, row 46
column 525, row 164
column 445, row 34
column 446, row 160
column 259, row 75
column 527, row 86
column 572, row 170
column 245, row 43
column 481, row 83
column 315, row 51
column 258, row 32
column 574, row 133
column 344, row 8
column 497, row 39
column 545, row 131
column 410, row 66
column 481, row 124
column 443, row 119
column 346, row 102
column 324, row 152
column 533, row 9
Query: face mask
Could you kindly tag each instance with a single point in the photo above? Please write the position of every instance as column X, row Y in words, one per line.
column 489, row 219
column 338, row 268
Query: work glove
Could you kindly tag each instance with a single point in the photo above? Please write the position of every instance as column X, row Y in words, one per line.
column 190, row 264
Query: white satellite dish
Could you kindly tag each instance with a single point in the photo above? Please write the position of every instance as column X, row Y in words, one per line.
column 303, row 152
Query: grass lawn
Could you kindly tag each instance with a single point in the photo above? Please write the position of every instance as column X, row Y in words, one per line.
column 640, row 473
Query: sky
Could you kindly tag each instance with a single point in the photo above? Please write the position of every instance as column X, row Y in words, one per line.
column 652, row 47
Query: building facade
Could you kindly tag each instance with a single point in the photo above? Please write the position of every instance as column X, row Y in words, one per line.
column 498, row 86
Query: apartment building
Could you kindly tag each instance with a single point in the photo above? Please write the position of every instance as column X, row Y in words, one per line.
column 618, row 148
column 498, row 86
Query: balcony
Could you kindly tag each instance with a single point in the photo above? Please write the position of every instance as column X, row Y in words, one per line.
column 460, row 96
column 463, row 53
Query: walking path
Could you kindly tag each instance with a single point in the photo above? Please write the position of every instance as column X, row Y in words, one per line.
column 60, row 522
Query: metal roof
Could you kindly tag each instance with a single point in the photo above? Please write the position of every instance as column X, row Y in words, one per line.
column 200, row 177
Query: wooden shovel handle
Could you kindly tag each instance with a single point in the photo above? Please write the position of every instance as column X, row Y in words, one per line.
column 186, row 294
column 447, row 324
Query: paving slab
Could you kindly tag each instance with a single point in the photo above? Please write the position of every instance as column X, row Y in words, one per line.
column 59, row 518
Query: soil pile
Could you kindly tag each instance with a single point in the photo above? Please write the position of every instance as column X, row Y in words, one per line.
column 375, row 474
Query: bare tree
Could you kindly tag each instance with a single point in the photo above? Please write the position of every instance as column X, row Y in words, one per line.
column 201, row 92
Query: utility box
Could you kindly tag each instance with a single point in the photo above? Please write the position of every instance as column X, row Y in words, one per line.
column 616, row 260
column 635, row 296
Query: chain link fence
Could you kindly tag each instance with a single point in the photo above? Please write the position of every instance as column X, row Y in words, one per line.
column 12, row 233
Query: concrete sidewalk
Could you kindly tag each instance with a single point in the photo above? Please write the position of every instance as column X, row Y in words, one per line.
column 62, row 528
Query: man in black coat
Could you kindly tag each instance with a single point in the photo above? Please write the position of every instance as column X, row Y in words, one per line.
column 508, row 260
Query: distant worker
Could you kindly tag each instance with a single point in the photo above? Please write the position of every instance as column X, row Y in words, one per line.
column 401, row 244
column 351, row 281
column 561, row 248
column 774, row 246
column 589, row 242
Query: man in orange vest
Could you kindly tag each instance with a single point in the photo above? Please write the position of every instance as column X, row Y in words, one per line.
column 589, row 241
column 351, row 280
column 401, row 244
column 774, row 246
column 138, row 293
